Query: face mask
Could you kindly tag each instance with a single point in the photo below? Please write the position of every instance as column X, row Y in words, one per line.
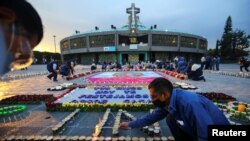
column 159, row 103
column 23, row 56
column 5, row 56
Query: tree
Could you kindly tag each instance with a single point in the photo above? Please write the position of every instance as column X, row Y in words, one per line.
column 239, row 41
column 226, row 40
column 217, row 47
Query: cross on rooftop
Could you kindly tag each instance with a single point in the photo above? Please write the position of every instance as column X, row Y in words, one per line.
column 132, row 18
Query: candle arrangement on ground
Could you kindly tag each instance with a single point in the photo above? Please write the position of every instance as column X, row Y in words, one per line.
column 235, row 74
column 115, row 130
column 184, row 85
column 10, row 110
column 27, row 99
column 20, row 76
column 86, row 138
column 152, row 131
column 62, row 86
column 236, row 112
column 99, row 126
column 60, row 127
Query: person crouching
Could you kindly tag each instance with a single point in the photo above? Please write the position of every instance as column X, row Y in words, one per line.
column 196, row 73
column 53, row 68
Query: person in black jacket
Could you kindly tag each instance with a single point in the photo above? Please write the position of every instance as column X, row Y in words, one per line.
column 71, row 64
column 53, row 68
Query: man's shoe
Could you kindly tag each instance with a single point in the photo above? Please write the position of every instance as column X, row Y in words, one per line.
column 55, row 80
column 49, row 77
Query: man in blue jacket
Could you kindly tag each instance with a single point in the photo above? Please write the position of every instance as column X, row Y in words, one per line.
column 188, row 114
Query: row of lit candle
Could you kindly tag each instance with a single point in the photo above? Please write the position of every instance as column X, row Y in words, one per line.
column 20, row 76
column 99, row 126
column 84, row 138
column 128, row 115
column 115, row 130
column 61, row 124
column 236, row 74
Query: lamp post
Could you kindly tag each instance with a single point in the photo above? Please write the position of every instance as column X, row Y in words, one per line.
column 55, row 42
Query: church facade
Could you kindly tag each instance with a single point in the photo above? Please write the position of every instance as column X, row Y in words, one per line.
column 131, row 43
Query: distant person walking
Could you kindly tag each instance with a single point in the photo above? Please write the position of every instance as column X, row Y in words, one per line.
column 203, row 62
column 244, row 63
column 217, row 63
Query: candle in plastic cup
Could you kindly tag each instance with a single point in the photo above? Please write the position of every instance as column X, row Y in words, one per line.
column 241, row 107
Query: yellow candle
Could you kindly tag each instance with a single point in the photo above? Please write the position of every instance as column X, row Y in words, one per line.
column 241, row 107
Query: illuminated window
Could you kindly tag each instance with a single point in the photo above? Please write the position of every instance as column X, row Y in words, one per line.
column 164, row 40
column 65, row 45
column 203, row 44
column 78, row 43
column 188, row 42
column 133, row 40
column 102, row 40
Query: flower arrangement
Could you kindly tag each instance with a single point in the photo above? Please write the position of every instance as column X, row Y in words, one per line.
column 218, row 97
column 128, row 99
column 173, row 74
column 96, row 107
column 27, row 99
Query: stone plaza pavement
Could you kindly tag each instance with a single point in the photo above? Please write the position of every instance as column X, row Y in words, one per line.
column 37, row 121
column 234, row 86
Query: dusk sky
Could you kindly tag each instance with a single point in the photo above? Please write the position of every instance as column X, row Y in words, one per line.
column 200, row 17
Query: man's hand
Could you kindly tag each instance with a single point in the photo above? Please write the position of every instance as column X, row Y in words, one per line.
column 124, row 125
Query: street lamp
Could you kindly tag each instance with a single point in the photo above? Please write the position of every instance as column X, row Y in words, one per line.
column 55, row 42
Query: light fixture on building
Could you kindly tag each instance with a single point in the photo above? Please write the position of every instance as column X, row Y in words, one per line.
column 132, row 30
column 77, row 31
column 113, row 27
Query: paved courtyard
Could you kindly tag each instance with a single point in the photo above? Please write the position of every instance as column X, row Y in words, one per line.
column 39, row 122
column 234, row 86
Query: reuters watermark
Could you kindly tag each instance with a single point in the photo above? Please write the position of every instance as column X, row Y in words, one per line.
column 221, row 132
